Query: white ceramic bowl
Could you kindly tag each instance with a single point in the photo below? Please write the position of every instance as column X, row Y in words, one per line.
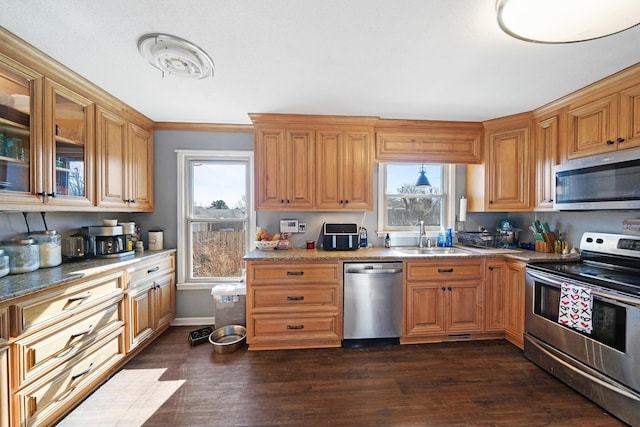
column 110, row 222
column 265, row 245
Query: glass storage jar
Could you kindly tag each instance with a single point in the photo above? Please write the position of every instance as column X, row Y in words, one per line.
column 4, row 263
column 24, row 255
column 50, row 247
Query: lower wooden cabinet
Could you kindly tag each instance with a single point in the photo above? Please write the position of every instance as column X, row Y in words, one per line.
column 494, row 295
column 442, row 299
column 294, row 305
column 514, row 302
column 5, row 401
column 150, row 299
column 57, row 345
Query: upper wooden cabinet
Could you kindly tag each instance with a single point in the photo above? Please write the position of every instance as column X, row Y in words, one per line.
column 345, row 169
column 124, row 163
column 428, row 141
column 284, row 167
column 604, row 124
column 503, row 182
column 48, row 155
column 549, row 135
column 313, row 163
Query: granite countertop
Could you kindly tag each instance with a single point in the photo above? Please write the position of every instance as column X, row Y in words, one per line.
column 17, row 285
column 397, row 254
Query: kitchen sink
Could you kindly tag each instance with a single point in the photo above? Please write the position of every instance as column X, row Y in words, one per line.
column 433, row 251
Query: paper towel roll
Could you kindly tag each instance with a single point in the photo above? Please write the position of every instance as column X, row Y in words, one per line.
column 463, row 209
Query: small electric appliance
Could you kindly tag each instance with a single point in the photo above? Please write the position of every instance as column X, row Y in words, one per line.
column 110, row 241
column 340, row 236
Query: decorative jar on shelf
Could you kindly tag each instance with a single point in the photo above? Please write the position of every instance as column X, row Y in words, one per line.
column 24, row 255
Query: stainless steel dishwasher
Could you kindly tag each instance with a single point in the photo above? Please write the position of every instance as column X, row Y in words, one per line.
column 372, row 311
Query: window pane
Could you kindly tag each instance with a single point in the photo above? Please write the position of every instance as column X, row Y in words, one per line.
column 217, row 248
column 220, row 185
column 409, row 211
column 401, row 179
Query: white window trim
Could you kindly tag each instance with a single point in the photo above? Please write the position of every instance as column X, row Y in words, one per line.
column 183, row 159
column 449, row 178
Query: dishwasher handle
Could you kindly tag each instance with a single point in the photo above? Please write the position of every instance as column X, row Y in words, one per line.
column 374, row 271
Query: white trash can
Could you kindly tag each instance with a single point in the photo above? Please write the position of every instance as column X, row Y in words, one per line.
column 229, row 304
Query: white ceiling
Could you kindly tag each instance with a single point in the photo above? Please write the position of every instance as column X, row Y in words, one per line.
column 411, row 59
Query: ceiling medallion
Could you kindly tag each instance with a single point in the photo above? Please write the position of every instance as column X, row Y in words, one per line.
column 175, row 56
column 566, row 21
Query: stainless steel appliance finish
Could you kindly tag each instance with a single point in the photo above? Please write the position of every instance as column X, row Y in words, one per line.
column 606, row 181
column 603, row 364
column 372, row 303
column 110, row 241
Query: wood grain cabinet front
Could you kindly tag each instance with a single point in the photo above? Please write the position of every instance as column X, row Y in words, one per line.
column 150, row 299
column 443, row 300
column 294, row 305
column 605, row 124
column 514, row 303
column 5, row 395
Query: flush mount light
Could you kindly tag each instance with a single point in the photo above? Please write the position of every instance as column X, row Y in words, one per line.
column 175, row 56
column 566, row 21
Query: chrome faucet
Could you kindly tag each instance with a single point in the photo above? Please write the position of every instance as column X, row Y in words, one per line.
column 420, row 234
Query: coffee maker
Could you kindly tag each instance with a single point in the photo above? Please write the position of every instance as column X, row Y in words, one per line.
column 111, row 241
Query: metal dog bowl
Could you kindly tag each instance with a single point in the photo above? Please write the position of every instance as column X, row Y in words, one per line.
column 228, row 338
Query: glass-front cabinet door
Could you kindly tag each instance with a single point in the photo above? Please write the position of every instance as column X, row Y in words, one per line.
column 69, row 147
column 20, row 91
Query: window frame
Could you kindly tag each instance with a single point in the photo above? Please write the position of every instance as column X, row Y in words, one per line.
column 448, row 195
column 184, row 199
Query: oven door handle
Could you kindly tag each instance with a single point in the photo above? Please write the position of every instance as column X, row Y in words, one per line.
column 611, row 297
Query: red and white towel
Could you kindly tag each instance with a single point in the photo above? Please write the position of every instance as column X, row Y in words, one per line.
column 576, row 307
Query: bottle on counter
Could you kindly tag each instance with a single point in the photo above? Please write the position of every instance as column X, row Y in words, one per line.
column 24, row 255
column 441, row 238
column 558, row 245
column 387, row 241
column 449, row 238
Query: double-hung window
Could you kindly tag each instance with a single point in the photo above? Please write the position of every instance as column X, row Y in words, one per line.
column 215, row 215
column 402, row 205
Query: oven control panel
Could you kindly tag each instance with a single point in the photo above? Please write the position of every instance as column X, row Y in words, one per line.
column 607, row 243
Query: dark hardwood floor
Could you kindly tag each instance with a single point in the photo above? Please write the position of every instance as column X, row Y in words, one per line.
column 453, row 384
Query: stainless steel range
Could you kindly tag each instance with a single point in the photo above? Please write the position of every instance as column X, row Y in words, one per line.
column 582, row 321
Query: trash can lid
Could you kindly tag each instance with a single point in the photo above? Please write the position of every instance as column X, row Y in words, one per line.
column 229, row 289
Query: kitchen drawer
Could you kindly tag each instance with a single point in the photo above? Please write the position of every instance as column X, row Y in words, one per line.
column 284, row 273
column 43, row 401
column 43, row 351
column 55, row 306
column 438, row 270
column 299, row 327
column 294, row 298
column 146, row 270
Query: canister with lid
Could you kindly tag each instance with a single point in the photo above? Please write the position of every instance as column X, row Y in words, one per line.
column 24, row 255
column 50, row 247
column 4, row 263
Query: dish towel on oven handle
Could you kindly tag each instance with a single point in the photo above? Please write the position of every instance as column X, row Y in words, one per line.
column 576, row 306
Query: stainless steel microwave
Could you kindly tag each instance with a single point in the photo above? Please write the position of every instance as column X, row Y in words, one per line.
column 605, row 181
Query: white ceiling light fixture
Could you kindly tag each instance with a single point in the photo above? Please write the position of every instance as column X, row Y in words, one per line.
column 566, row 21
column 175, row 56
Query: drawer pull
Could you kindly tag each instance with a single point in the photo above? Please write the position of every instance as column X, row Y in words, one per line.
column 86, row 371
column 295, row 327
column 153, row 270
column 445, row 270
column 85, row 332
column 300, row 298
column 81, row 297
column 295, row 273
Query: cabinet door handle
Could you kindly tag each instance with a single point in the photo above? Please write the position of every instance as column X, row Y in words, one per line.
column 609, row 142
column 449, row 288
column 445, row 270
column 490, row 268
column 86, row 371
column 443, row 288
column 620, row 140
column 85, row 332
column 295, row 273
column 300, row 298
column 81, row 297
column 295, row 327
column 154, row 269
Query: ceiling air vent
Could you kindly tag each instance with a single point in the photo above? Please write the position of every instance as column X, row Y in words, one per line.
column 175, row 56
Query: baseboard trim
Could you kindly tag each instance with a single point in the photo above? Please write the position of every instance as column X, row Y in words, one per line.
column 193, row 321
